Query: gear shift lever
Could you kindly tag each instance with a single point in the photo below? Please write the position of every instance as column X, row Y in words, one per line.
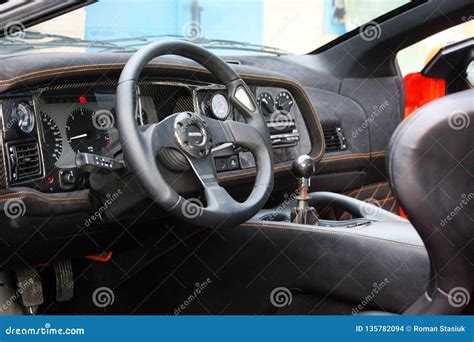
column 303, row 169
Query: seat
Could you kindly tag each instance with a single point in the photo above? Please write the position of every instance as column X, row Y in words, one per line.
column 431, row 167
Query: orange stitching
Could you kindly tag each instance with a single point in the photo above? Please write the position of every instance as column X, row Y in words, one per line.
column 298, row 88
column 366, row 187
column 323, row 231
column 39, row 197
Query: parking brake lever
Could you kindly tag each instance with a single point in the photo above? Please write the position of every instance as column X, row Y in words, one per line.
column 303, row 169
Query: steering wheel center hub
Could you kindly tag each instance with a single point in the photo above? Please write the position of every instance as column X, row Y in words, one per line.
column 192, row 135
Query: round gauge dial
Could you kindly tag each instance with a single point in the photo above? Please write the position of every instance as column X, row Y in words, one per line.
column 25, row 117
column 53, row 141
column 266, row 103
column 220, row 106
column 82, row 134
column 284, row 102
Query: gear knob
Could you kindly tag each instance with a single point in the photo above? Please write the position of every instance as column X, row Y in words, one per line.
column 303, row 166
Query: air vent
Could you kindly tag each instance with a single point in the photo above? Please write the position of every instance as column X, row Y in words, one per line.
column 24, row 162
column 334, row 139
column 233, row 61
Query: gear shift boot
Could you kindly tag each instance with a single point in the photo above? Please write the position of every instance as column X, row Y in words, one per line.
column 307, row 215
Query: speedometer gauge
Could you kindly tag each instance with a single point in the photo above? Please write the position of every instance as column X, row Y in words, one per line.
column 53, row 141
column 82, row 134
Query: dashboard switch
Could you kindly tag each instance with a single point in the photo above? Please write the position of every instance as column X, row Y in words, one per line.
column 233, row 163
column 221, row 164
column 68, row 179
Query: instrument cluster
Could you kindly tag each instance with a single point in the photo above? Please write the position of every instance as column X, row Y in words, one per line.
column 72, row 124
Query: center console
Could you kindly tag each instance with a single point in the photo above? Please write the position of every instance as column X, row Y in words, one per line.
column 302, row 206
column 375, row 251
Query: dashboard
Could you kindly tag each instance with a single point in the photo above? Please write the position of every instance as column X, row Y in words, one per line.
column 57, row 123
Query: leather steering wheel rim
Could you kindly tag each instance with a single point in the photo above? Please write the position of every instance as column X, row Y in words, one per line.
column 194, row 136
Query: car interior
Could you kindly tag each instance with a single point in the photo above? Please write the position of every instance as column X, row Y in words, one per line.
column 179, row 181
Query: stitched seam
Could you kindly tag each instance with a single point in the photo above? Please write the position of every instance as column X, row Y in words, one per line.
column 263, row 225
column 22, row 194
column 366, row 187
column 286, row 167
column 92, row 67
column 378, row 153
column 80, row 68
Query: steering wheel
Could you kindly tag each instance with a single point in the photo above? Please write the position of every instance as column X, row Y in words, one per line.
column 194, row 136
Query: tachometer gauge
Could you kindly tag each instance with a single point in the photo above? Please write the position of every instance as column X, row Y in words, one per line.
column 220, row 106
column 266, row 103
column 53, row 141
column 284, row 101
column 82, row 134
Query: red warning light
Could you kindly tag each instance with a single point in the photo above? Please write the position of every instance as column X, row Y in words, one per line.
column 50, row 179
column 82, row 99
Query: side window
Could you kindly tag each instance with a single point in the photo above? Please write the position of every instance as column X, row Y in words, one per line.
column 422, row 89
column 413, row 58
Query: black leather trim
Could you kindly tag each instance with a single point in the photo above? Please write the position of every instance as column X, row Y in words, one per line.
column 431, row 166
column 346, row 263
column 38, row 204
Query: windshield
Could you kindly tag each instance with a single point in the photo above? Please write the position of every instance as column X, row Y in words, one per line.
column 230, row 27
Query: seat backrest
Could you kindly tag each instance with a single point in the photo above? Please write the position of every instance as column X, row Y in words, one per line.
column 431, row 167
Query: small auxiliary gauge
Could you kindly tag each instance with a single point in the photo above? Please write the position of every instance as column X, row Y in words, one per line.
column 25, row 117
column 220, row 106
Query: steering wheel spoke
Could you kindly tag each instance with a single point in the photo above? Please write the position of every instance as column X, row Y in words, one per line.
column 244, row 135
column 242, row 98
column 216, row 196
column 205, row 171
